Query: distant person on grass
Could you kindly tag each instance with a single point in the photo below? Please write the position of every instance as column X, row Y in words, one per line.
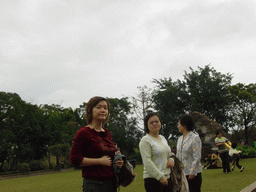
column 213, row 161
column 94, row 150
column 189, row 147
column 235, row 157
column 217, row 163
column 208, row 161
column 155, row 153
column 223, row 151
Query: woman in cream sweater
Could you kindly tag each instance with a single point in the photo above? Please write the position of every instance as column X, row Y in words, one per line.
column 155, row 154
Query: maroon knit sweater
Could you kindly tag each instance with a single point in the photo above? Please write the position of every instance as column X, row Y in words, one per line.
column 92, row 144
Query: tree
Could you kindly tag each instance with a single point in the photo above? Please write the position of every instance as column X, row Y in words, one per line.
column 244, row 108
column 22, row 137
column 80, row 115
column 169, row 100
column 6, row 133
column 206, row 91
column 143, row 103
column 59, row 150
column 209, row 94
column 56, row 118
column 123, row 127
column 12, row 122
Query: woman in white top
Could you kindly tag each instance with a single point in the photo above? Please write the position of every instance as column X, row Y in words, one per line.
column 189, row 148
column 155, row 153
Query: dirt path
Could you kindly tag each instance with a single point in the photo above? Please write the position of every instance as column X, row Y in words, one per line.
column 32, row 174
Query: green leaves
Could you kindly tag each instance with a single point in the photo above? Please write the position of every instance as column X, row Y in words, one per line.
column 123, row 126
column 247, row 151
column 204, row 90
column 208, row 92
column 244, row 107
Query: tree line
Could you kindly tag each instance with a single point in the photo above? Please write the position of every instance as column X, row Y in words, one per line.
column 31, row 132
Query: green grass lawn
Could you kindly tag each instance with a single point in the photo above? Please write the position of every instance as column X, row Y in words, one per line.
column 71, row 181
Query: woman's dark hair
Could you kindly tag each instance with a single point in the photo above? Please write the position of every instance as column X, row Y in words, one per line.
column 186, row 120
column 148, row 116
column 91, row 104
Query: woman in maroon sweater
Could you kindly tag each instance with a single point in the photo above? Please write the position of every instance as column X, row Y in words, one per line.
column 94, row 150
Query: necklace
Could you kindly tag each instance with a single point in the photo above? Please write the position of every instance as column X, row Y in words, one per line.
column 101, row 129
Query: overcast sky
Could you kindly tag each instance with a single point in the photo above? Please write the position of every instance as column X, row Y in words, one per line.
column 67, row 51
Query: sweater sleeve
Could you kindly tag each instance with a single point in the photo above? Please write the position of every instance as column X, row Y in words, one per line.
column 178, row 153
column 149, row 166
column 76, row 153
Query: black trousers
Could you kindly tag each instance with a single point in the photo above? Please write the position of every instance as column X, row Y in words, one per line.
column 153, row 185
column 225, row 161
column 235, row 160
column 98, row 186
column 195, row 184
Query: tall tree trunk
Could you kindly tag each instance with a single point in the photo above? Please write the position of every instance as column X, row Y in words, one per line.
column 57, row 160
column 246, row 131
column 49, row 160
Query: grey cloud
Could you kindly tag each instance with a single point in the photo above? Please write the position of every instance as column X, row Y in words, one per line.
column 206, row 24
column 68, row 51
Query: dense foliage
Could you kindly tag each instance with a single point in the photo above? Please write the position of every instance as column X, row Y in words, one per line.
column 205, row 91
column 247, row 151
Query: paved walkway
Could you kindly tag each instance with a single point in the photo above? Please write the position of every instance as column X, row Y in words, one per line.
column 250, row 188
column 33, row 173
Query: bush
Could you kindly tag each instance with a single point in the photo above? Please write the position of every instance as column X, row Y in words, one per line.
column 5, row 167
column 57, row 168
column 137, row 157
column 23, row 168
column 247, row 151
column 51, row 166
column 36, row 165
column 9, row 173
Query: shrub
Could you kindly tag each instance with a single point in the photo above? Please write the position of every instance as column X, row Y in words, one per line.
column 4, row 167
column 51, row 166
column 9, row 173
column 247, row 151
column 23, row 168
column 57, row 168
column 137, row 157
column 36, row 165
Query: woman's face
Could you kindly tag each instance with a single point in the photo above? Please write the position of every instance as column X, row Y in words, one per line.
column 100, row 111
column 181, row 127
column 154, row 124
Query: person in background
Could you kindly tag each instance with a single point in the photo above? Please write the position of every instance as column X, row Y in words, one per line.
column 155, row 154
column 189, row 147
column 217, row 163
column 94, row 150
column 223, row 151
column 235, row 157
column 208, row 161
column 242, row 143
